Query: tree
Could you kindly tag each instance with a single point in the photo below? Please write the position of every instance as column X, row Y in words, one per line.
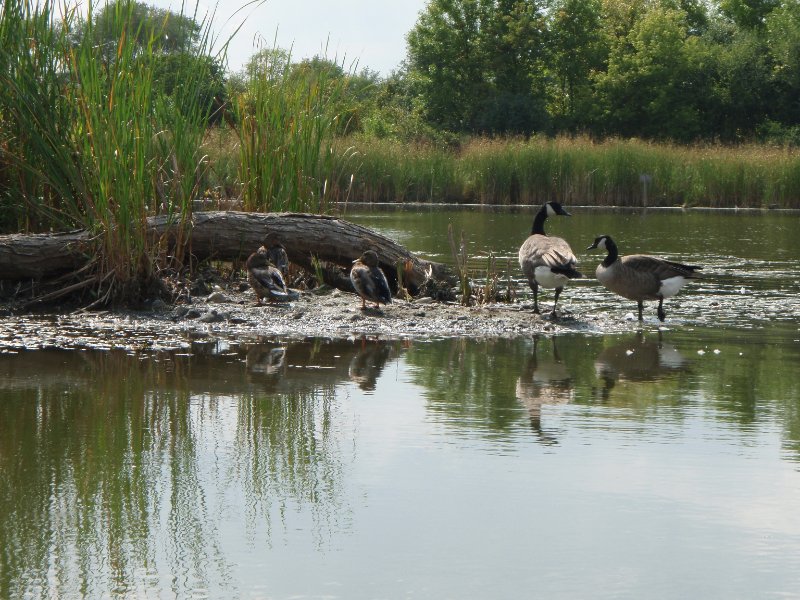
column 478, row 65
column 647, row 88
column 445, row 56
column 748, row 14
column 783, row 41
column 167, row 31
column 578, row 49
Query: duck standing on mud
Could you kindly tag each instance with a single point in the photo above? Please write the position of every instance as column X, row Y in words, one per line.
column 547, row 261
column 369, row 281
column 266, row 279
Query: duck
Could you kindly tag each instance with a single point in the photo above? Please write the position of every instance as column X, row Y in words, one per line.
column 641, row 277
column 266, row 279
column 547, row 261
column 276, row 253
column 369, row 280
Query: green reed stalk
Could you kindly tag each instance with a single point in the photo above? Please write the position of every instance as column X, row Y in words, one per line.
column 286, row 121
column 86, row 141
column 578, row 171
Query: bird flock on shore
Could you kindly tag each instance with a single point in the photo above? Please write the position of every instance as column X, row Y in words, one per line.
column 546, row 262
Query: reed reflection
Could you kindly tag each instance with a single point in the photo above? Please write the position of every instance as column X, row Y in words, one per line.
column 545, row 380
column 117, row 472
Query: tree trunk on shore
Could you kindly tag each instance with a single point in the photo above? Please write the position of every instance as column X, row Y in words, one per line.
column 229, row 235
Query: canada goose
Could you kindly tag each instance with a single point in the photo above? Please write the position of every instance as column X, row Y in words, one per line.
column 547, row 261
column 266, row 279
column 640, row 277
column 369, row 281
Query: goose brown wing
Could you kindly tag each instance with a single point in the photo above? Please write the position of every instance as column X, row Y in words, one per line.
column 659, row 268
column 540, row 250
column 559, row 254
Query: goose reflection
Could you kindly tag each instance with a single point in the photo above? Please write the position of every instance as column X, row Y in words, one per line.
column 637, row 359
column 544, row 380
column 367, row 364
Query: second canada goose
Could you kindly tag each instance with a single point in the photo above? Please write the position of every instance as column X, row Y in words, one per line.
column 640, row 277
column 547, row 261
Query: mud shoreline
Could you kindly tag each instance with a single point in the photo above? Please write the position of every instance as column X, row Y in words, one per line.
column 230, row 314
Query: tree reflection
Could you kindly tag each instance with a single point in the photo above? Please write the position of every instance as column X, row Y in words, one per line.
column 117, row 470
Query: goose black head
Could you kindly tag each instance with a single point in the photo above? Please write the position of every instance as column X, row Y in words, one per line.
column 555, row 208
column 603, row 242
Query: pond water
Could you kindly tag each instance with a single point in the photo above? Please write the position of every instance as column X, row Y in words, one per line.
column 648, row 463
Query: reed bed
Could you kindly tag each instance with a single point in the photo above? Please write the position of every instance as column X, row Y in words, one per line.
column 576, row 170
column 286, row 121
column 87, row 144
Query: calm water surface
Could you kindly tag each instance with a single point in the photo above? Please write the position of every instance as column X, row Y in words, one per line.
column 646, row 464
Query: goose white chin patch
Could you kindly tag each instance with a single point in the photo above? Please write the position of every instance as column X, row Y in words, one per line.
column 670, row 287
column 546, row 278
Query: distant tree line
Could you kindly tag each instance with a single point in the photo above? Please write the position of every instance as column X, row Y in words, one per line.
column 681, row 70
column 670, row 70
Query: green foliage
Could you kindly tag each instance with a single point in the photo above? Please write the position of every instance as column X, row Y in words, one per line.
column 575, row 170
column 90, row 143
column 476, row 65
column 286, row 120
column 677, row 70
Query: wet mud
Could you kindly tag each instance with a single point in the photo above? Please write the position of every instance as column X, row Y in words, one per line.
column 233, row 314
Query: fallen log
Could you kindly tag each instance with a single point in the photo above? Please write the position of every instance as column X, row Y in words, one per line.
column 231, row 235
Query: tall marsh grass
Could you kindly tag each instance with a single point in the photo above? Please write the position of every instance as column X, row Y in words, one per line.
column 86, row 143
column 576, row 171
column 286, row 122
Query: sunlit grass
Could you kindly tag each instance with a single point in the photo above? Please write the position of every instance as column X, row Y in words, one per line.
column 579, row 171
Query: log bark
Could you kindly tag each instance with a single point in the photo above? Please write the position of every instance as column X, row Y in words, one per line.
column 231, row 235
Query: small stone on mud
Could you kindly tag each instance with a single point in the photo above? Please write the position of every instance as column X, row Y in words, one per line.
column 213, row 317
column 219, row 297
column 192, row 313
column 181, row 311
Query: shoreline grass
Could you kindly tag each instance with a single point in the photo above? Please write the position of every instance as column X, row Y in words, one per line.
column 578, row 171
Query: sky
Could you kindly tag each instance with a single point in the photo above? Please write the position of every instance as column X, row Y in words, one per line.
column 371, row 32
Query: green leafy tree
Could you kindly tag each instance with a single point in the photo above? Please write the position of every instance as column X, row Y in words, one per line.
column 783, row 41
column 748, row 14
column 578, row 49
column 647, row 88
column 446, row 58
column 478, row 65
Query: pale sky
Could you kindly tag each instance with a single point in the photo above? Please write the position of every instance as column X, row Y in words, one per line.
column 371, row 32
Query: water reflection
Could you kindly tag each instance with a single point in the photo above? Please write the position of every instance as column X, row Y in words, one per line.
column 640, row 358
column 545, row 379
column 367, row 364
column 193, row 474
column 114, row 465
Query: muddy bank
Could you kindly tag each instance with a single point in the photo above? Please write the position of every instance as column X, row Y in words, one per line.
column 231, row 313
